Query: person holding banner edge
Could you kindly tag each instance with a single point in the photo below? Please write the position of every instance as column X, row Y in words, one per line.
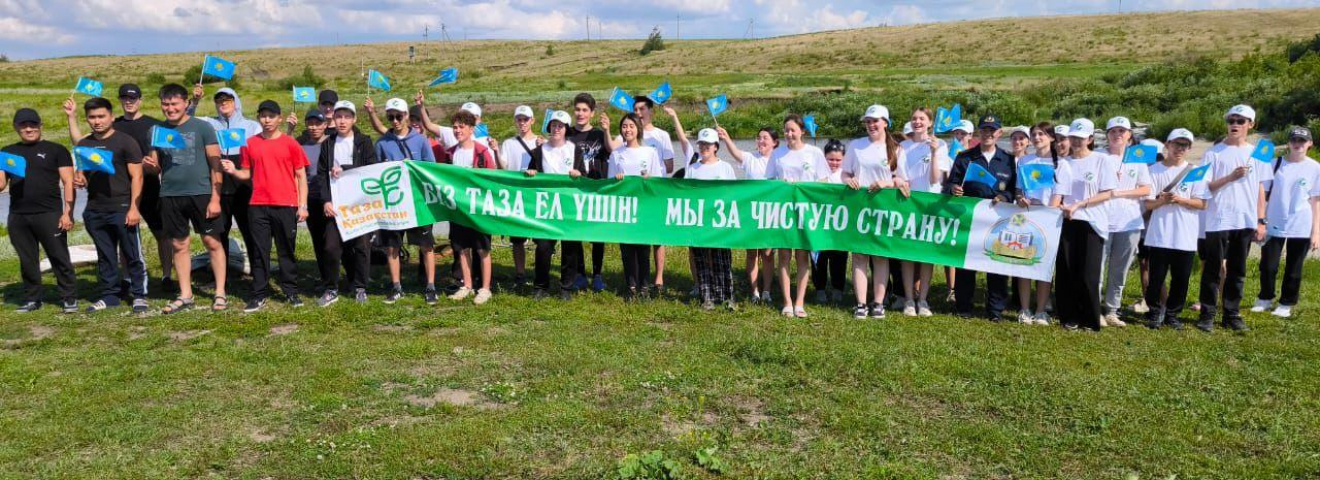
column 344, row 149
column 999, row 184
column 1047, row 155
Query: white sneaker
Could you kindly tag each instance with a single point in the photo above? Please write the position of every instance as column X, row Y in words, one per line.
column 1262, row 305
column 1283, row 311
column 483, row 296
column 1140, row 307
column 1041, row 318
column 1024, row 317
column 1112, row 320
column 462, row 293
column 923, row 309
column 909, row 309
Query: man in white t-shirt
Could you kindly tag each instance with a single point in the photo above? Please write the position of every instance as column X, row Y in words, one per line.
column 516, row 155
column 653, row 136
column 1235, row 216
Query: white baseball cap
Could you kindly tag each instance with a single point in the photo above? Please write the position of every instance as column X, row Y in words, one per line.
column 877, row 112
column 1159, row 146
column 396, row 104
column 966, row 126
column 345, row 105
column 1181, row 134
column 524, row 110
column 708, row 135
column 907, row 128
column 1061, row 130
column 1244, row 111
column 1082, row 128
column 1118, row 122
column 472, row 107
column 561, row 117
column 1020, row 129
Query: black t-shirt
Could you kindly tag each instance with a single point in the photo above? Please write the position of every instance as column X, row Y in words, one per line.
column 595, row 148
column 140, row 130
column 38, row 192
column 112, row 193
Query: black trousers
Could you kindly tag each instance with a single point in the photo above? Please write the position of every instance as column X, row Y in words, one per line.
column 636, row 265
column 996, row 292
column 570, row 263
column 1230, row 247
column 114, row 239
column 234, row 208
column 1177, row 264
column 354, row 254
column 829, row 270
column 1270, row 255
column 597, row 258
column 1077, row 275
column 32, row 233
column 279, row 224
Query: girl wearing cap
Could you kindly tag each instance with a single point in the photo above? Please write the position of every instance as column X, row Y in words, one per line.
column 927, row 161
column 1047, row 153
column 516, row 155
column 870, row 163
column 1292, row 218
column 754, row 166
column 1125, row 219
column 1171, row 236
column 1085, row 228
column 557, row 156
column 633, row 158
column 795, row 161
column 713, row 267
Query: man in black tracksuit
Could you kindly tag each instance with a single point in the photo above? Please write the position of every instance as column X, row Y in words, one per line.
column 1003, row 167
column 345, row 148
column 40, row 211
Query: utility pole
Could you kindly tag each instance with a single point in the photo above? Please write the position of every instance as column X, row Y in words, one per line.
column 678, row 27
column 588, row 28
column 748, row 35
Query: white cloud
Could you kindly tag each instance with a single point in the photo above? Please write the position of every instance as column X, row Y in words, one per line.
column 18, row 30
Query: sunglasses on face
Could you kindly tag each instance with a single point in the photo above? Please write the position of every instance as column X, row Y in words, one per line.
column 1237, row 121
column 396, row 118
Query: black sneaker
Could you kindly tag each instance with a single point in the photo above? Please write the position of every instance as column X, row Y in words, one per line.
column 1236, row 324
column 1174, row 324
column 70, row 306
column 96, row 306
column 1154, row 324
column 860, row 311
column 519, row 280
column 431, row 297
column 877, row 310
column 539, row 293
column 29, row 307
column 565, row 294
column 451, row 288
column 254, row 305
column 327, row 299
column 360, row 296
column 393, row 296
column 1206, row 325
column 1071, row 327
column 294, row 300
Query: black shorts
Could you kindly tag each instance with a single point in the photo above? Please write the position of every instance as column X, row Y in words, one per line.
column 420, row 236
column 178, row 213
column 149, row 207
column 463, row 238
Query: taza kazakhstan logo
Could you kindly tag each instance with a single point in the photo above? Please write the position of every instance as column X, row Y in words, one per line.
column 387, row 186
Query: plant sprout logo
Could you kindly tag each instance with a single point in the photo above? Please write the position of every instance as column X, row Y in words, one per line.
column 1016, row 241
column 1090, row 177
column 387, row 186
column 1132, row 173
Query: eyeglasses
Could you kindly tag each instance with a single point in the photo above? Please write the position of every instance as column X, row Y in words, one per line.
column 396, row 118
column 1237, row 121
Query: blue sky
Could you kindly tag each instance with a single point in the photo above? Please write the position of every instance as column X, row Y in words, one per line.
column 51, row 28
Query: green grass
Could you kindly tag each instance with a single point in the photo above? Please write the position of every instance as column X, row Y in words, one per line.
column 552, row 389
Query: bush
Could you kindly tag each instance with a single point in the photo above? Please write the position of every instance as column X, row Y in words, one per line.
column 550, row 50
column 155, row 78
column 307, row 78
column 653, row 43
column 4, row 58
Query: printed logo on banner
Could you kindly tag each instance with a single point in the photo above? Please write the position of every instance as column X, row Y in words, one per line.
column 387, row 186
column 1016, row 240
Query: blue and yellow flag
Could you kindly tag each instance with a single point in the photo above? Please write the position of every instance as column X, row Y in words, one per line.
column 955, row 148
column 448, row 75
column 1141, row 153
column 165, row 137
column 1196, row 174
column 662, row 93
column 1036, row 176
column 481, row 131
column 13, row 164
column 622, row 100
column 810, row 122
column 717, row 105
column 304, row 95
column 545, row 122
column 948, row 118
column 978, row 174
column 1264, row 151
column 232, row 138
column 217, row 67
column 378, row 81
column 95, row 160
column 87, row 86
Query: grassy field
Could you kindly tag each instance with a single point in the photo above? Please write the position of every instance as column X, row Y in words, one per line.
column 550, row 389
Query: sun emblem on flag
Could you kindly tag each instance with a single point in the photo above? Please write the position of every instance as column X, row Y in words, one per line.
column 233, row 135
column 169, row 137
column 11, row 163
column 89, row 87
column 95, row 158
column 219, row 66
column 1035, row 174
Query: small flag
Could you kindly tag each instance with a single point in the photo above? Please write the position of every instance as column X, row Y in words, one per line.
column 94, row 160
column 978, row 174
column 545, row 122
column 947, row 118
column 955, row 148
column 621, row 100
column 481, row 131
column 13, row 164
column 662, row 93
column 217, row 67
column 717, row 105
column 164, row 137
column 810, row 122
column 378, row 80
column 1264, row 151
column 88, row 86
column 304, row 95
column 232, row 138
column 448, row 75
column 1141, row 153
column 1196, row 174
column 1037, row 176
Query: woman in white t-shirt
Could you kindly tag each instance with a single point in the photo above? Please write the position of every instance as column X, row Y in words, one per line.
column 1292, row 223
column 557, row 156
column 794, row 162
column 870, row 164
column 515, row 155
column 754, row 166
column 1174, row 227
column 1125, row 219
column 634, row 159
column 1086, row 225
column 926, row 163
column 1042, row 138
column 712, row 267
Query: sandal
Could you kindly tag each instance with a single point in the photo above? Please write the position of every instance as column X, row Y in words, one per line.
column 787, row 312
column 800, row 312
column 178, row 305
column 220, row 304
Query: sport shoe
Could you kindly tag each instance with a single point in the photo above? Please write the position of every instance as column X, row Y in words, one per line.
column 140, row 305
column 580, row 283
column 294, row 300
column 254, row 305
column 96, row 306
column 836, row 296
column 1236, row 324
column 756, row 298
column 71, row 306
column 877, row 310
column 909, row 309
column 29, row 307
column 1140, row 307
column 519, row 280
column 1262, row 305
column 1283, row 311
column 821, row 296
column 1025, row 318
column 482, row 297
column 462, row 293
column 923, row 309
column 327, row 299
column 431, row 296
column 1112, row 320
column 708, row 305
column 597, row 283
column 860, row 311
column 765, row 297
column 1041, row 318
column 360, row 295
column 394, row 296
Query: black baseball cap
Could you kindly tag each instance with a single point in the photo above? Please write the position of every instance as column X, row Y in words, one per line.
column 314, row 113
column 1300, row 132
column 327, row 96
column 222, row 94
column 130, row 90
column 26, row 115
column 989, row 121
column 269, row 106
column 415, row 111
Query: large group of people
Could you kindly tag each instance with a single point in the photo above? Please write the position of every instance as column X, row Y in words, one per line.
column 1116, row 213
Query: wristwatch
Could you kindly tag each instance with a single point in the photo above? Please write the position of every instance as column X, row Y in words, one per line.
column 1261, row 221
